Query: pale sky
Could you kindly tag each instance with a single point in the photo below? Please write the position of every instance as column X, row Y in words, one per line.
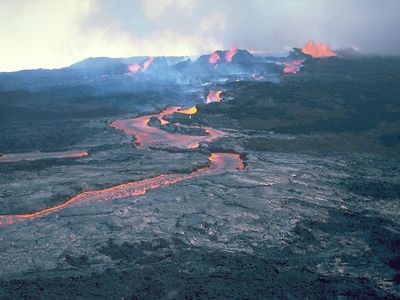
column 57, row 33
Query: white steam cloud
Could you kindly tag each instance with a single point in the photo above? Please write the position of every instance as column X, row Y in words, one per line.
column 56, row 33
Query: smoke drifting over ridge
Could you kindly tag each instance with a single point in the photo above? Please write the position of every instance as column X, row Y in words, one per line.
column 63, row 32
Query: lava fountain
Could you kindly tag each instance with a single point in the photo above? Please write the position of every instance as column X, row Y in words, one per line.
column 318, row 50
column 147, row 63
column 134, row 68
column 213, row 58
column 214, row 96
column 230, row 54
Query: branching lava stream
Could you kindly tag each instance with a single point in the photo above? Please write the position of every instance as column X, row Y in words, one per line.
column 146, row 136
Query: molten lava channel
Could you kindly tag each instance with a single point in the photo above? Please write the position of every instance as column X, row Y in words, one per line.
column 219, row 163
column 189, row 111
column 147, row 136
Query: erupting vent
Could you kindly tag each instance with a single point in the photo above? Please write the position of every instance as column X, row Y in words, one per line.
column 134, row 68
column 213, row 58
column 147, row 63
column 318, row 50
column 230, row 54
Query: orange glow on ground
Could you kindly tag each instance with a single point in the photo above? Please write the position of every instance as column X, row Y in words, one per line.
column 292, row 67
column 190, row 111
column 213, row 58
column 41, row 155
column 318, row 50
column 230, row 54
column 214, row 96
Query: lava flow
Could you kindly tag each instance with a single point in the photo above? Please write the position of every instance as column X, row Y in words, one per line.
column 292, row 67
column 318, row 50
column 219, row 163
column 189, row 111
column 147, row 136
column 214, row 96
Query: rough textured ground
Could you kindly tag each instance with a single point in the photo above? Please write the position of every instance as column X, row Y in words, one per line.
column 314, row 214
column 284, row 225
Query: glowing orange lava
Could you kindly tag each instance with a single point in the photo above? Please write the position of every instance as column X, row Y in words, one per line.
column 41, row 155
column 219, row 163
column 163, row 122
column 166, row 112
column 147, row 136
column 292, row 67
column 134, row 68
column 318, row 50
column 189, row 111
column 147, row 63
column 213, row 58
column 230, row 54
column 214, row 96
